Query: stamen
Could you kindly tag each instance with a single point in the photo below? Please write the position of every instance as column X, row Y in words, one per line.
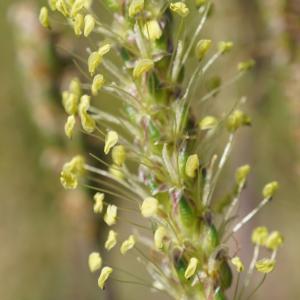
column 248, row 217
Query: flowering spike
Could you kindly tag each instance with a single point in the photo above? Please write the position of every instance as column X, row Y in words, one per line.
column 146, row 54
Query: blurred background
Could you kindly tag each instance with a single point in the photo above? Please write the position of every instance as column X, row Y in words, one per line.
column 46, row 234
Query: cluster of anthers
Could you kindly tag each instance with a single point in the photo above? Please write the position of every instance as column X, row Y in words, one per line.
column 164, row 165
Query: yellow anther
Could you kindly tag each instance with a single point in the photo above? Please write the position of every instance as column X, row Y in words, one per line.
column 241, row 174
column 97, row 84
column 118, row 155
column 149, row 207
column 116, row 171
column 111, row 140
column 191, row 268
column 78, row 24
column 208, row 122
column 152, row 30
column 142, row 66
column 159, row 236
column 111, row 240
column 68, row 180
column 104, row 49
column 44, row 17
column 110, row 217
column 180, row 8
column 274, row 240
column 98, row 204
column 105, row 273
column 236, row 261
column 127, row 244
column 87, row 122
column 52, row 4
column 70, row 102
column 77, row 7
column 225, row 47
column 94, row 61
column 270, row 189
column 265, row 265
column 135, row 7
column 62, row 7
column 237, row 119
column 260, row 235
column 95, row 261
column 75, row 87
column 192, row 165
column 71, row 171
column 69, row 126
column 89, row 25
column 202, row 48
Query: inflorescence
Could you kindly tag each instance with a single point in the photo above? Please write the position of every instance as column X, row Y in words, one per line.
column 151, row 58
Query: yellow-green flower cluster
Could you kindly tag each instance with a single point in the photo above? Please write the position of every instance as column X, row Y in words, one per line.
column 160, row 161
